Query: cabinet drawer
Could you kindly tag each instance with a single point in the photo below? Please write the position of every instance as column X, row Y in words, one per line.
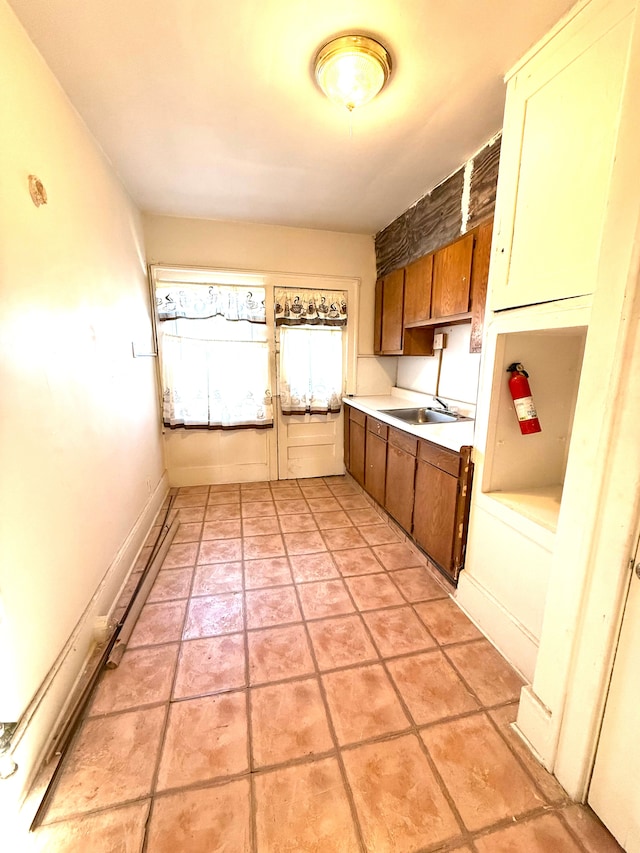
column 357, row 416
column 377, row 428
column 445, row 460
column 403, row 441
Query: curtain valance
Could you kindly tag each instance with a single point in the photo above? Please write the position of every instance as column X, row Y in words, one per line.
column 310, row 307
column 201, row 301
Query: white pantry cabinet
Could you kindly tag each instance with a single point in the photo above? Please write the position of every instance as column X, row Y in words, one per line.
column 559, row 143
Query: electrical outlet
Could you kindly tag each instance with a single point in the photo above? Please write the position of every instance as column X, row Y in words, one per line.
column 439, row 340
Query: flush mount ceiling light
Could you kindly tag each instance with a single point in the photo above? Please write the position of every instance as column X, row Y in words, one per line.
column 352, row 69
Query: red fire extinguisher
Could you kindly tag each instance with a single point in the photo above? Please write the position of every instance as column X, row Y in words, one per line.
column 522, row 399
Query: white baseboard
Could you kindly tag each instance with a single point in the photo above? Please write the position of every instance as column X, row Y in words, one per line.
column 508, row 635
column 40, row 721
column 535, row 726
column 205, row 475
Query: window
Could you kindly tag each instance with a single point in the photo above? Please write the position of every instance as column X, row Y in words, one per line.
column 310, row 370
column 311, row 327
column 214, row 356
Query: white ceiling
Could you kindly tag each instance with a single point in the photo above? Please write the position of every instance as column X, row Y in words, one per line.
column 208, row 108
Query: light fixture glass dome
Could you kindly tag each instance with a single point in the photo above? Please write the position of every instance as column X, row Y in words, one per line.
column 351, row 70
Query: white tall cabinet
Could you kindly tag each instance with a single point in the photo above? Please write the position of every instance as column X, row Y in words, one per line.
column 550, row 528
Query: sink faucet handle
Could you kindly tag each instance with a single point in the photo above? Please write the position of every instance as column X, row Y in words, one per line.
column 442, row 403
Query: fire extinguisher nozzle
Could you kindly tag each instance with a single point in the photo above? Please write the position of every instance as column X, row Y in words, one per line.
column 516, row 367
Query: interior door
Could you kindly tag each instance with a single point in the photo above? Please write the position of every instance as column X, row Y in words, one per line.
column 309, row 445
column 614, row 793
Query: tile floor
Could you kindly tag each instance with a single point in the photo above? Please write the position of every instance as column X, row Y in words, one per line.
column 299, row 680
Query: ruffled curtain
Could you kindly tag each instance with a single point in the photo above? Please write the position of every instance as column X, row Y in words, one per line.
column 310, row 307
column 215, row 384
column 199, row 302
column 310, row 371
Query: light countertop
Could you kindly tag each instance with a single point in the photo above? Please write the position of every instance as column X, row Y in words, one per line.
column 451, row 435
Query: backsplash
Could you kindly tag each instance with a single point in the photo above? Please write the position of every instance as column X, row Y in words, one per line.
column 376, row 375
column 452, row 373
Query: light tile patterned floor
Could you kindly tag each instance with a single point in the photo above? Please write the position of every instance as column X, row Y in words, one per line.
column 299, row 680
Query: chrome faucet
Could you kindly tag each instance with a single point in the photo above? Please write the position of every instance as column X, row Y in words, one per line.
column 442, row 403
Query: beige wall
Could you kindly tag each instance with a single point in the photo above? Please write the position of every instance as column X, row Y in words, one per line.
column 79, row 442
column 193, row 457
column 268, row 248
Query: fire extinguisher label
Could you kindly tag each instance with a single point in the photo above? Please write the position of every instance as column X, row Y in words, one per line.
column 525, row 410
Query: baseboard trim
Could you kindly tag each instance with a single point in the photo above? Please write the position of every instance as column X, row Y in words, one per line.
column 40, row 721
column 253, row 472
column 507, row 634
column 535, row 726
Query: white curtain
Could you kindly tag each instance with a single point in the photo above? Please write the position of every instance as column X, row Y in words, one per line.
column 215, row 369
column 215, row 384
column 310, row 370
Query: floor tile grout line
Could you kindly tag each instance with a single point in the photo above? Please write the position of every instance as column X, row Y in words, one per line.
column 524, row 818
column 154, row 776
column 343, row 771
column 519, row 760
column 73, row 816
column 556, row 808
column 464, row 680
column 253, row 830
column 167, row 717
column 414, row 730
column 560, row 813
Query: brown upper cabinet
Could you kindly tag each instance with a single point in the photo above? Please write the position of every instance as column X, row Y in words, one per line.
column 443, row 287
column 391, row 334
column 451, row 288
column 392, row 311
column 417, row 291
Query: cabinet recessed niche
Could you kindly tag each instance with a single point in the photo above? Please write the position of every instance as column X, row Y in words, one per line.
column 526, row 472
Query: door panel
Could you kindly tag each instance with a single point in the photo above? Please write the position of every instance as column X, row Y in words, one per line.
column 615, row 793
column 310, row 445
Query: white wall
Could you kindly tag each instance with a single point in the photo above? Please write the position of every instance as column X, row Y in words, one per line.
column 451, row 373
column 79, row 438
column 193, row 457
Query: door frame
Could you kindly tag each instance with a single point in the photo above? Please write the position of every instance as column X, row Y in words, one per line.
column 269, row 280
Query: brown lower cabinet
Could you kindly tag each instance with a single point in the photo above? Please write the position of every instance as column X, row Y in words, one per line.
column 401, row 472
column 426, row 488
column 434, row 516
column 375, row 469
column 357, row 421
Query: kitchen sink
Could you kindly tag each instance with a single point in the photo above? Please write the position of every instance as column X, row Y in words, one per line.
column 424, row 416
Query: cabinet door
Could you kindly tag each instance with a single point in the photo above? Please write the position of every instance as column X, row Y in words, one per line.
column 346, row 449
column 377, row 321
column 398, row 501
column 417, row 290
column 435, row 513
column 356, row 451
column 558, row 149
column 452, row 278
column 479, row 281
column 392, row 309
column 375, row 467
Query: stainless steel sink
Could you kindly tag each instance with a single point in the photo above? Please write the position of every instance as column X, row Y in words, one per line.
column 424, row 416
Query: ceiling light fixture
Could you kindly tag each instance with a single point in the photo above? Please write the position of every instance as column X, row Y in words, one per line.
column 352, row 69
